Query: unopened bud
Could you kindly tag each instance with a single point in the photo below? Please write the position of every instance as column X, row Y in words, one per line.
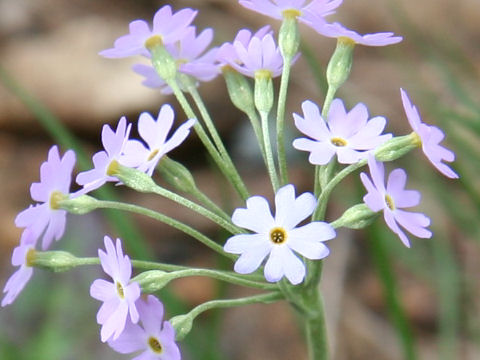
column 176, row 175
column 356, row 217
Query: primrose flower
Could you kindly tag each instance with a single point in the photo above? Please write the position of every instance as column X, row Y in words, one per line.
column 22, row 256
column 118, row 297
column 154, row 133
column 168, row 27
column 156, row 338
column 392, row 199
column 349, row 135
column 54, row 186
column 114, row 144
column 278, row 237
column 430, row 138
column 304, row 10
column 187, row 52
column 337, row 30
column 259, row 55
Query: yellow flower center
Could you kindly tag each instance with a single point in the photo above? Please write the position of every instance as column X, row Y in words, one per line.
column 338, row 141
column 120, row 290
column 153, row 41
column 55, row 198
column 155, row 345
column 152, row 154
column 278, row 235
column 291, row 13
column 113, row 168
column 390, row 203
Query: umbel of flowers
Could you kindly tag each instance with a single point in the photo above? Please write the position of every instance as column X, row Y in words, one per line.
column 276, row 247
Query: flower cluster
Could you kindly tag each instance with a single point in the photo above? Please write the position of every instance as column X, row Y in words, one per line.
column 287, row 244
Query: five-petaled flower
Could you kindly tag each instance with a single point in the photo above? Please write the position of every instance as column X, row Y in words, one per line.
column 430, row 138
column 392, row 199
column 279, row 237
column 167, row 28
column 22, row 256
column 155, row 337
column 347, row 134
column 119, row 296
column 114, row 145
column 154, row 133
column 54, row 186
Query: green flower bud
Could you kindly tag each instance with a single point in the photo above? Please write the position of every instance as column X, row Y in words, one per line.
column 80, row 205
column 153, row 280
column 164, row 64
column 397, row 147
column 176, row 175
column 57, row 261
column 239, row 90
column 263, row 92
column 182, row 325
column 132, row 178
column 356, row 217
column 340, row 63
column 289, row 36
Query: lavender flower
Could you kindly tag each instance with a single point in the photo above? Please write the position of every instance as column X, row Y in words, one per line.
column 54, row 185
column 259, row 55
column 21, row 256
column 337, row 30
column 304, row 10
column 114, row 144
column 346, row 134
column 278, row 237
column 170, row 27
column 392, row 199
column 188, row 54
column 154, row 133
column 118, row 297
column 430, row 138
column 155, row 337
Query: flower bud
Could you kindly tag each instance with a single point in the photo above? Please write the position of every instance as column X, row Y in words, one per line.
column 80, row 205
column 132, row 178
column 340, row 63
column 356, row 217
column 397, row 147
column 239, row 90
column 176, row 175
column 263, row 93
column 182, row 325
column 57, row 261
column 153, row 280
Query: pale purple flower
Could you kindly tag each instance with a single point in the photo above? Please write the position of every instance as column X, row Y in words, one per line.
column 227, row 53
column 119, row 296
column 46, row 217
column 259, row 55
column 304, row 10
column 154, row 133
column 278, row 237
column 114, row 144
column 337, row 30
column 349, row 135
column 170, row 27
column 155, row 337
column 190, row 55
column 430, row 138
column 392, row 199
column 20, row 257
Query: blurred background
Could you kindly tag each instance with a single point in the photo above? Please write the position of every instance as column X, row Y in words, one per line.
column 383, row 301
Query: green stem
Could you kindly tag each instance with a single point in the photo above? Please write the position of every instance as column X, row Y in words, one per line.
column 255, row 121
column 282, row 99
column 235, row 181
column 166, row 220
column 192, row 89
column 215, row 304
column 272, row 172
column 207, row 202
column 221, row 221
column 316, row 334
